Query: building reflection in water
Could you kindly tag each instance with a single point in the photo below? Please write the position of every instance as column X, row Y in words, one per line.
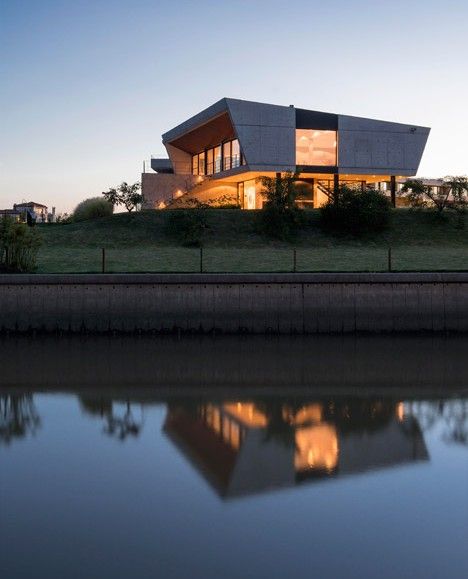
column 245, row 447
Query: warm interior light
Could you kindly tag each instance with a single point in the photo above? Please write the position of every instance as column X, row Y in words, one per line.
column 247, row 413
column 314, row 147
column 316, row 447
column 401, row 411
column 307, row 414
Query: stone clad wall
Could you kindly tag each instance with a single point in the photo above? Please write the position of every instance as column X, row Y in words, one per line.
column 231, row 303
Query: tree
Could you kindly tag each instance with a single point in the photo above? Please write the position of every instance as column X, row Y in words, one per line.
column 19, row 245
column 18, row 417
column 127, row 195
column 452, row 193
column 416, row 191
column 281, row 217
column 459, row 191
column 118, row 425
column 355, row 212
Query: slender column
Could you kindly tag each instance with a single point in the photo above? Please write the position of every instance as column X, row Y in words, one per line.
column 336, row 183
column 393, row 190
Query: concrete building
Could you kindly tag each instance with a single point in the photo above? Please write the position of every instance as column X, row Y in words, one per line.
column 219, row 154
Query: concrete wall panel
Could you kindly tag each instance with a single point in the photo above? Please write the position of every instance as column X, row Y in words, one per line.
column 266, row 133
column 366, row 145
column 262, row 303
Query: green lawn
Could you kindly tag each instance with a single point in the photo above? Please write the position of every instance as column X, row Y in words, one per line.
column 138, row 243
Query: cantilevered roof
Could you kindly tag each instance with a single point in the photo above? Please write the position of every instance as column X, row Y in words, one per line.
column 267, row 133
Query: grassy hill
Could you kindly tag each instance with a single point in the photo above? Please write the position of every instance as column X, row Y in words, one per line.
column 140, row 242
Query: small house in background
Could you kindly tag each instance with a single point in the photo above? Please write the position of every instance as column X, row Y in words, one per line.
column 37, row 211
column 14, row 214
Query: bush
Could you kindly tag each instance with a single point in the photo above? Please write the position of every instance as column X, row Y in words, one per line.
column 357, row 213
column 93, row 208
column 280, row 216
column 19, row 245
column 188, row 226
column 279, row 223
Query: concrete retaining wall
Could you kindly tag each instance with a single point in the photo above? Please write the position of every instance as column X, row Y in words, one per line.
column 255, row 303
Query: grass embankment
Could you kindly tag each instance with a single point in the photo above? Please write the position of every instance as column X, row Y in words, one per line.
column 138, row 242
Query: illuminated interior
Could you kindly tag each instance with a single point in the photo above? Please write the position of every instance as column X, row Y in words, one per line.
column 316, row 448
column 315, row 147
column 249, row 194
column 306, row 414
column 223, row 157
column 223, row 425
column 247, row 413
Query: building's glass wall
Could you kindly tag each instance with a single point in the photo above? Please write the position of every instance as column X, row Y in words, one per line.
column 217, row 157
column 227, row 156
column 221, row 158
column 210, row 162
column 235, row 153
column 201, row 163
column 249, row 194
column 315, row 147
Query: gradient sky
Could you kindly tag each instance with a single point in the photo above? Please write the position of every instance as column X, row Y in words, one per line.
column 87, row 87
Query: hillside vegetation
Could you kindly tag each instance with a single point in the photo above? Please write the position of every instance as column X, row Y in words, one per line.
column 141, row 242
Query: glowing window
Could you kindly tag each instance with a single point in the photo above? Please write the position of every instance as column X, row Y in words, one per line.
column 316, row 448
column 201, row 163
column 209, row 161
column 247, row 413
column 315, row 147
column 235, row 154
column 217, row 159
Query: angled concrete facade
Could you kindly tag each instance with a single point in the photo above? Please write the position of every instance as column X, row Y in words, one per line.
column 233, row 142
column 369, row 146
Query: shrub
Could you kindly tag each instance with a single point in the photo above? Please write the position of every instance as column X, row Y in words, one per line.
column 280, row 216
column 357, row 213
column 188, row 226
column 280, row 223
column 19, row 245
column 92, row 208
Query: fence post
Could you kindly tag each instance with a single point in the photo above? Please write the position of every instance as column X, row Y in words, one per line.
column 103, row 260
column 294, row 260
column 389, row 259
column 201, row 259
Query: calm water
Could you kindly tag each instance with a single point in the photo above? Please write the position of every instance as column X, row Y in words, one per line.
column 228, row 457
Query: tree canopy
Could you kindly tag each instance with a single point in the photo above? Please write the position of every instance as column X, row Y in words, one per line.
column 127, row 195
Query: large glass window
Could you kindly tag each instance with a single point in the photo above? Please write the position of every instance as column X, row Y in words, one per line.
column 227, row 156
column 249, row 194
column 201, row 163
column 315, row 147
column 210, row 162
column 235, row 153
column 221, row 158
column 217, row 159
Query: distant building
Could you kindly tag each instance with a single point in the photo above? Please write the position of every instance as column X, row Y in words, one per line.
column 14, row 214
column 37, row 211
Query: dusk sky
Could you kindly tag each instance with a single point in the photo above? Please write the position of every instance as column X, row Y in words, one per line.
column 87, row 87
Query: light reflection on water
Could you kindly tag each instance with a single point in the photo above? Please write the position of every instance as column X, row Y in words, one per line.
column 118, row 481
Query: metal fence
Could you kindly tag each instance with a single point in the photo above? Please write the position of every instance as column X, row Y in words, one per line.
column 156, row 259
